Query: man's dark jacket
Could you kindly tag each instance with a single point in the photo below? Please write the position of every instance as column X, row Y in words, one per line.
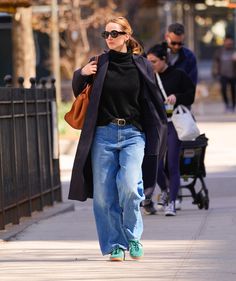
column 154, row 126
column 188, row 63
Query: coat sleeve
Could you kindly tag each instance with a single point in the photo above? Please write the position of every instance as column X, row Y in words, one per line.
column 186, row 93
column 79, row 81
column 193, row 72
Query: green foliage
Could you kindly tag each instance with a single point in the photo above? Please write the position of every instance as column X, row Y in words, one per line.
column 64, row 129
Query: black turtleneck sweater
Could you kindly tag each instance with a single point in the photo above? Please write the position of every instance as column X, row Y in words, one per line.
column 121, row 91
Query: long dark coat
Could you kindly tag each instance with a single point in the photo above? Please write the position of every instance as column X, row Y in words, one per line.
column 154, row 125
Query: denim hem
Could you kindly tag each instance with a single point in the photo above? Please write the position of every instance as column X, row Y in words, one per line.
column 114, row 248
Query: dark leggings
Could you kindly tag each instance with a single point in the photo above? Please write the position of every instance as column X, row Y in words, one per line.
column 224, row 82
column 169, row 175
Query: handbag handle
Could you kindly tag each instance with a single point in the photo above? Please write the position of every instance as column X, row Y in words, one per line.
column 96, row 60
column 181, row 109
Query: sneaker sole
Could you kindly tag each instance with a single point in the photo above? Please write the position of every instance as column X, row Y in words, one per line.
column 170, row 215
column 136, row 258
column 160, row 208
column 117, row 259
column 149, row 213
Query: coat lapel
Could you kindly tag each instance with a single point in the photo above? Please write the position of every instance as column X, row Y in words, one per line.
column 147, row 73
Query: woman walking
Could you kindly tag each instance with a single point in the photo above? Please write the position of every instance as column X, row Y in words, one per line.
column 123, row 134
column 179, row 90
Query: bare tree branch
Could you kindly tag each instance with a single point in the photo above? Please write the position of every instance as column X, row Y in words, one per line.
column 76, row 18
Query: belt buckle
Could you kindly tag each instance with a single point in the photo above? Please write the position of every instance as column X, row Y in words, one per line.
column 121, row 122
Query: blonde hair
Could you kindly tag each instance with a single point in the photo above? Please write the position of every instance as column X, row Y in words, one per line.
column 132, row 44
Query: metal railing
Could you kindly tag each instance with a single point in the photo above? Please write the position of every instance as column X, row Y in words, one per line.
column 29, row 160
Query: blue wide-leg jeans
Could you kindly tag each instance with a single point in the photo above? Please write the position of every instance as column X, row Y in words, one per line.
column 117, row 156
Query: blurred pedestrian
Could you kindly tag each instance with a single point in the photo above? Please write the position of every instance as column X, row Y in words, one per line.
column 179, row 89
column 224, row 68
column 180, row 56
column 122, row 134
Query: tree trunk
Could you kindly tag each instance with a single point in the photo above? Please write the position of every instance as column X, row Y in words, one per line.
column 24, row 58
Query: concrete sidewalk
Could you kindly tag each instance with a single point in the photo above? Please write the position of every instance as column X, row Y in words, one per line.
column 194, row 245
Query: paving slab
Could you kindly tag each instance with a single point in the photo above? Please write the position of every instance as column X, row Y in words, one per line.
column 195, row 245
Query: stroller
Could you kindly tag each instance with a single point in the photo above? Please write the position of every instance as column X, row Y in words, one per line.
column 192, row 168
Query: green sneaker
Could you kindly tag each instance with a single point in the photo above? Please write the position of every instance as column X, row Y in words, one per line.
column 135, row 249
column 117, row 255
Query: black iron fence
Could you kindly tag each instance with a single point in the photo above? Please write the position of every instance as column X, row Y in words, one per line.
column 29, row 162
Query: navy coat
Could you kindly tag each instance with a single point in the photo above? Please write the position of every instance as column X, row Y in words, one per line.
column 154, row 125
column 188, row 63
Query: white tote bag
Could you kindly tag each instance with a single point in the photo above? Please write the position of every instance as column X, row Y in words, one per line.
column 182, row 119
column 184, row 124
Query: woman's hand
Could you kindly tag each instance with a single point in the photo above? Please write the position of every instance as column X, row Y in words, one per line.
column 171, row 99
column 90, row 68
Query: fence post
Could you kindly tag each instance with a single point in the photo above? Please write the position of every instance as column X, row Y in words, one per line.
column 2, row 210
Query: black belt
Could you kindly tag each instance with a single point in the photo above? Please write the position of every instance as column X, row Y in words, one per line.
column 120, row 122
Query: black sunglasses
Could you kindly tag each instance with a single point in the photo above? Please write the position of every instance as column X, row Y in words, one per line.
column 176, row 43
column 113, row 33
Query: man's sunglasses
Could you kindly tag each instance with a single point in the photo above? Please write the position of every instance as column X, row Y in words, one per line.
column 113, row 33
column 176, row 43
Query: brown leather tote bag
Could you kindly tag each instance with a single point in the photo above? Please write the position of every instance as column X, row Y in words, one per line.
column 75, row 117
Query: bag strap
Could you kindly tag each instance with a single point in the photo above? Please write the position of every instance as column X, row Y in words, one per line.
column 181, row 109
column 161, row 86
column 96, row 60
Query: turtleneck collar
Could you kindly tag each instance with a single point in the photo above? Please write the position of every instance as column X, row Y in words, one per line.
column 119, row 57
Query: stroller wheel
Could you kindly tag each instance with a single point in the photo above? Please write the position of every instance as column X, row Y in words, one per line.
column 206, row 203
column 200, row 205
column 200, row 200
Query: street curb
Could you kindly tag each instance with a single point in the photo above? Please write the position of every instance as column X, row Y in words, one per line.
column 13, row 230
